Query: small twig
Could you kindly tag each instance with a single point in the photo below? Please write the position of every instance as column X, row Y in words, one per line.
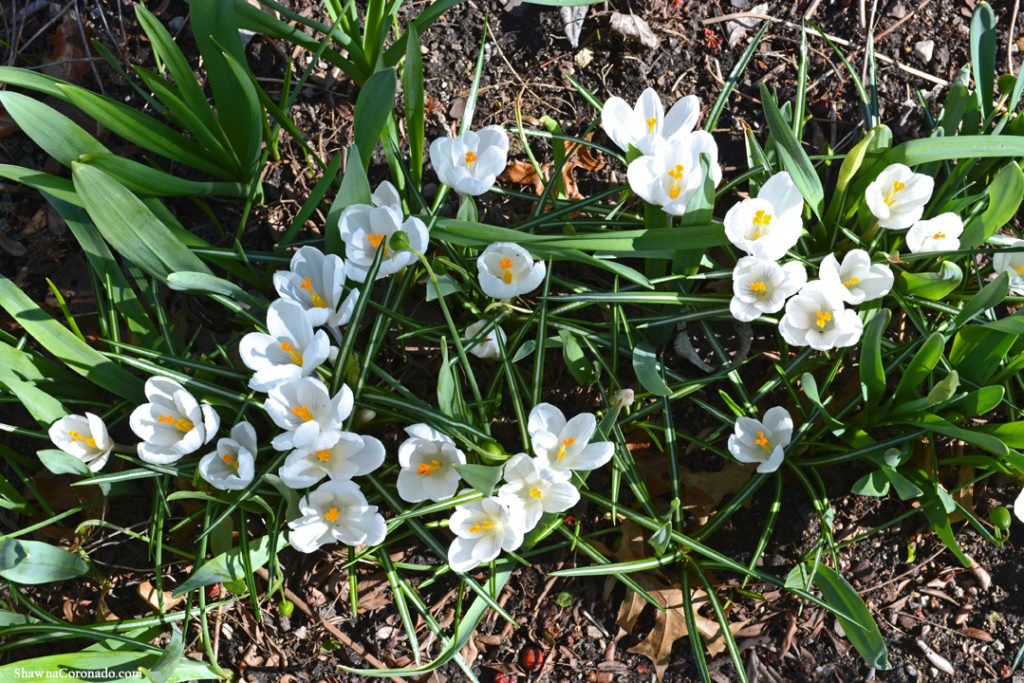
column 85, row 46
column 812, row 9
column 899, row 23
column 1013, row 28
column 735, row 15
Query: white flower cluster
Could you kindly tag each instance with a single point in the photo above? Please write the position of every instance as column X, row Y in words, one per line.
column 897, row 198
column 766, row 228
column 668, row 172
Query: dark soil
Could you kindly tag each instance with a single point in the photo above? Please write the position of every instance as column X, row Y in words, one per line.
column 916, row 590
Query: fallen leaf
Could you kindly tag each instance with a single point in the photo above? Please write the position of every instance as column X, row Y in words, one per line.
column 148, row 593
column 572, row 20
column 578, row 156
column 633, row 26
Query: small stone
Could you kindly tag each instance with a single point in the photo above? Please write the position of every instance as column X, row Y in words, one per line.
column 910, row 670
column 924, row 49
column 897, row 10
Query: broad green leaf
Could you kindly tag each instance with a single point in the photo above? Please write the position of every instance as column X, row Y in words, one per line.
column 579, row 365
column 60, row 462
column 355, row 189
column 794, row 158
column 66, row 347
column 974, row 403
column 921, row 365
column 483, row 478
column 1010, row 433
column 87, row 665
column 446, row 285
column 32, row 562
column 146, row 180
column 933, row 286
column 447, row 398
column 62, row 188
column 938, row 425
column 990, row 295
column 874, row 484
column 20, row 375
column 978, row 350
column 373, row 107
column 861, row 629
column 646, row 366
column 59, row 136
column 945, row 389
column 241, row 108
column 204, row 283
column 1005, row 194
column 129, row 225
column 872, row 372
column 937, row 512
column 876, row 139
column 810, row 387
column 905, row 489
column 412, row 92
column 983, row 55
column 228, row 566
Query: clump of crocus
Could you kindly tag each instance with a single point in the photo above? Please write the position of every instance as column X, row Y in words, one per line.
column 646, row 124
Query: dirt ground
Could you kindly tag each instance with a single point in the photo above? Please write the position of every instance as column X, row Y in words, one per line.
column 932, row 612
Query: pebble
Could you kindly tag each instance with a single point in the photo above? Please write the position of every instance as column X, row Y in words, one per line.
column 924, row 49
column 910, row 670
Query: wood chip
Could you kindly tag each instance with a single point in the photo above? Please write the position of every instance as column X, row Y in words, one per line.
column 935, row 659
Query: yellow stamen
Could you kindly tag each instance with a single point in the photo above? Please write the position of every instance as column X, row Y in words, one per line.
column 318, row 301
column 759, row 287
column 183, row 425
column 851, row 282
column 823, row 318
column 292, row 353
column 303, row 412
column 331, row 515
column 761, row 220
column 231, row 460
column 481, row 526
column 897, row 187
column 939, row 236
column 651, row 122
column 762, row 441
column 427, row 468
column 75, row 436
column 324, row 454
column 1020, row 270
column 377, row 240
column 470, row 158
column 677, row 177
column 565, row 444
column 506, row 265
column 535, row 492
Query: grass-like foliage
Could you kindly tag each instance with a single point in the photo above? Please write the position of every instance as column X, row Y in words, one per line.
column 856, row 307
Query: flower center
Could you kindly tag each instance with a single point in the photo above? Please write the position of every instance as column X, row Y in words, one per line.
column 761, row 221
column 677, row 178
column 485, row 525
column 1020, row 271
column 427, row 468
column 75, row 436
column 470, row 158
column 939, row 236
column 183, row 425
column 331, row 515
column 851, row 282
column 762, row 441
column 535, row 492
column 377, row 240
column 506, row 265
column 231, row 461
column 324, row 454
column 318, row 301
column 897, row 187
column 303, row 412
column 651, row 123
column 565, row 444
column 759, row 287
column 823, row 318
column 292, row 353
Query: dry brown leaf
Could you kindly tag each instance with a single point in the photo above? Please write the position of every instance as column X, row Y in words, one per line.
column 963, row 492
column 148, row 593
column 629, row 611
column 579, row 156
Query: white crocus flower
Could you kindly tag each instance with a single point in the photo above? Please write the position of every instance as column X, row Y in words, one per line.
column 816, row 317
column 306, row 411
column 336, row 511
column 428, row 459
column 769, row 225
column 1018, row 506
column 762, row 441
column 506, row 270
column 290, row 351
column 173, row 424
column 349, row 455
column 483, row 528
column 232, row 466
column 941, row 233
column 314, row 282
column 470, row 163
column 671, row 174
column 1011, row 263
column 646, row 123
column 85, row 437
column 482, row 339
column 562, row 445
column 897, row 197
column 762, row 286
column 856, row 278
column 366, row 229
column 386, row 196
column 536, row 490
